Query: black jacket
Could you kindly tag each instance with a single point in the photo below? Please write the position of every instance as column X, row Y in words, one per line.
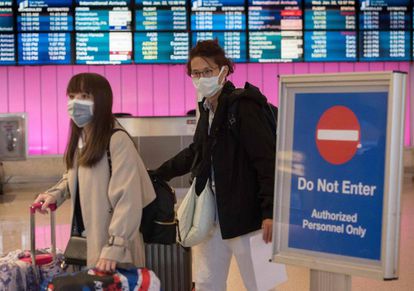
column 243, row 165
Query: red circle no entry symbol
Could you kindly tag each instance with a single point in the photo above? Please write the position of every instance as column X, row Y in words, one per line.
column 338, row 135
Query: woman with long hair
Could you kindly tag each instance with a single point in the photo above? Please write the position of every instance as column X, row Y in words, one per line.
column 105, row 178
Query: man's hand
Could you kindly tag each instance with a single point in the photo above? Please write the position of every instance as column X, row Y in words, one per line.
column 267, row 226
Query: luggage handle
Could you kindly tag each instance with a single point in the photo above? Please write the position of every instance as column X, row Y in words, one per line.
column 33, row 209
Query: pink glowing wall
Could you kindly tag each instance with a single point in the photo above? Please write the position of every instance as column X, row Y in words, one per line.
column 142, row 90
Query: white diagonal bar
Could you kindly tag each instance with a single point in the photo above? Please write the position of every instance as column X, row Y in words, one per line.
column 337, row 134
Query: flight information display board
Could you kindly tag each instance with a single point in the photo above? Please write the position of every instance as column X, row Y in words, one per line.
column 279, row 15
column 233, row 42
column 163, row 31
column 6, row 3
column 6, row 19
column 212, row 15
column 44, row 48
column 104, row 48
column 330, row 46
column 384, row 14
column 275, row 46
column 161, row 47
column 97, row 19
column 378, row 45
column 160, row 15
column 7, row 49
column 44, row 16
column 329, row 14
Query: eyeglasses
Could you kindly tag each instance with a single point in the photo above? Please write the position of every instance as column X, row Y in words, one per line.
column 207, row 73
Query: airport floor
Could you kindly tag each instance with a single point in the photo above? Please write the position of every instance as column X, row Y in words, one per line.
column 14, row 234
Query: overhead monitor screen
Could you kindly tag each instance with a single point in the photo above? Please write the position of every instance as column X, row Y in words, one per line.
column 33, row 16
column 209, row 15
column 161, row 47
column 330, row 15
column 275, row 46
column 97, row 19
column 44, row 48
column 160, row 15
column 384, row 45
column 234, row 42
column 330, row 46
column 6, row 19
column 384, row 14
column 7, row 49
column 104, row 48
column 275, row 15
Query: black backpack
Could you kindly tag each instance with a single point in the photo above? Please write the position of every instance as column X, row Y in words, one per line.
column 158, row 222
column 269, row 111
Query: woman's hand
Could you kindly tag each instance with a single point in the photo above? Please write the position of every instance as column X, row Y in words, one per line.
column 267, row 226
column 46, row 199
column 105, row 265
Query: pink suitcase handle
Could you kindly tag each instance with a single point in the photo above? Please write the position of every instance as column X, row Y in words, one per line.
column 39, row 260
column 39, row 205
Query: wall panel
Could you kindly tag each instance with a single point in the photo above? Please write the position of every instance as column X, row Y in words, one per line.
column 142, row 90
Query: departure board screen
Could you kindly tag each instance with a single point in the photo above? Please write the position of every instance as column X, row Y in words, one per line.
column 6, row 19
column 6, row 3
column 96, row 19
column 44, row 16
column 161, row 47
column 104, row 48
column 233, row 42
column 384, row 14
column 102, row 3
column 160, row 15
column 275, row 46
column 328, row 46
column 384, row 45
column 330, row 14
column 44, row 48
column 7, row 49
column 211, row 15
column 163, row 31
column 279, row 15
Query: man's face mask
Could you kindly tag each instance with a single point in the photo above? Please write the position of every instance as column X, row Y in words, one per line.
column 207, row 87
column 81, row 111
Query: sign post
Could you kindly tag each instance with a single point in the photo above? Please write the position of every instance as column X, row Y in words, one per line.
column 338, row 176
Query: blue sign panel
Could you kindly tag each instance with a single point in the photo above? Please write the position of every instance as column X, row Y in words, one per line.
column 336, row 203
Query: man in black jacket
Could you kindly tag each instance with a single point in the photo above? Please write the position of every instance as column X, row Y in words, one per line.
column 240, row 166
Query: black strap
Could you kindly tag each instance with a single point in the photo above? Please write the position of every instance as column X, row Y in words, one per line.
column 78, row 226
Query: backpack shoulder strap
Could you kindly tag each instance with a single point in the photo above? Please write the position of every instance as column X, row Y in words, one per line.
column 108, row 151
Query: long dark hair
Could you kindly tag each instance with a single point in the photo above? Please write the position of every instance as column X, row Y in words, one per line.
column 102, row 122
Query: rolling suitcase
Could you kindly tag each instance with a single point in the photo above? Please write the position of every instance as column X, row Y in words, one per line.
column 172, row 264
column 141, row 279
column 26, row 270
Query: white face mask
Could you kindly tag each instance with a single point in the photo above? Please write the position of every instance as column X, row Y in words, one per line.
column 81, row 111
column 207, row 87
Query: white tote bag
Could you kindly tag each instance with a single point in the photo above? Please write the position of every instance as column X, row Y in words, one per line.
column 196, row 216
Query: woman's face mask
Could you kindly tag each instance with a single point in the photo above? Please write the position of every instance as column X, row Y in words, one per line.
column 81, row 111
column 207, row 87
